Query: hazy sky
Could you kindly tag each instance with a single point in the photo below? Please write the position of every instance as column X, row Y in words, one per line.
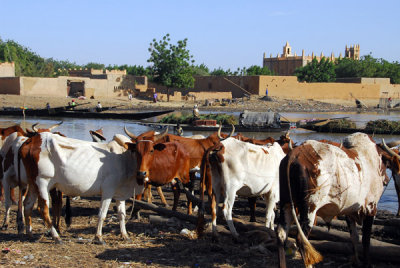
column 227, row 34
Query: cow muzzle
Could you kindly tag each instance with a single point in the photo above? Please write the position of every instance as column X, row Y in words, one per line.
column 141, row 177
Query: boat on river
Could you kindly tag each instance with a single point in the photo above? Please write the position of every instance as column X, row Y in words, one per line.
column 284, row 126
column 69, row 111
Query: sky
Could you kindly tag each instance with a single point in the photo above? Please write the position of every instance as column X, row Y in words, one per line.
column 221, row 34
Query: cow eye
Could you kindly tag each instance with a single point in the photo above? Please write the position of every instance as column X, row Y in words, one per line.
column 152, row 151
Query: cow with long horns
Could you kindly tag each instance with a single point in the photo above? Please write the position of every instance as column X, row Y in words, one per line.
column 329, row 179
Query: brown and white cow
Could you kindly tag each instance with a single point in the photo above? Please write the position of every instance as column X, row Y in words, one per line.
column 328, row 180
column 240, row 168
column 9, row 154
column 81, row 168
column 4, row 133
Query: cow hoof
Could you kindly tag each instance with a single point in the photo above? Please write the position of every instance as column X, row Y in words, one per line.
column 58, row 241
column 4, row 227
column 20, row 229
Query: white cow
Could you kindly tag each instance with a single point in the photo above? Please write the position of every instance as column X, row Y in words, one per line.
column 326, row 179
column 244, row 169
column 81, row 168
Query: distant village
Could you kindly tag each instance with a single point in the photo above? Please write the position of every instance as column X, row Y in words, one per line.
column 117, row 83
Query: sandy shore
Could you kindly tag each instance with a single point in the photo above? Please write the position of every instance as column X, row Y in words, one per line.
column 255, row 104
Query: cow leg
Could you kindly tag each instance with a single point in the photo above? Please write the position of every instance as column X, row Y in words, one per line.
column 252, row 204
column 12, row 195
column 176, row 189
column 43, row 204
column 270, row 202
column 29, row 202
column 227, row 210
column 366, row 235
column 68, row 211
column 190, row 188
column 7, row 202
column 351, row 224
column 214, row 204
column 121, row 217
column 161, row 194
column 20, row 218
column 56, row 205
column 147, row 193
column 397, row 186
column 105, row 203
column 285, row 220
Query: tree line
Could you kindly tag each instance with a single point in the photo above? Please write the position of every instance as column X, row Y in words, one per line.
column 368, row 66
column 172, row 65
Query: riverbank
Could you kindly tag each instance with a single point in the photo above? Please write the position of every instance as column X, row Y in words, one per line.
column 254, row 104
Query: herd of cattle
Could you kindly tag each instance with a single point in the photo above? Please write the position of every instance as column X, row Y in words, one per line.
column 317, row 178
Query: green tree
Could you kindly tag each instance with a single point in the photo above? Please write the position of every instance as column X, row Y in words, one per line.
column 94, row 65
column 221, row 72
column 257, row 70
column 314, row 71
column 200, row 70
column 171, row 64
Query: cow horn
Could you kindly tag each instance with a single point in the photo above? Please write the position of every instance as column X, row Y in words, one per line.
column 230, row 135
column 390, row 151
column 233, row 131
column 290, row 144
column 34, row 127
column 55, row 125
column 130, row 134
column 161, row 135
column 341, row 144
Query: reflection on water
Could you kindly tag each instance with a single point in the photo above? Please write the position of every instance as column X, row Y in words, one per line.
column 79, row 129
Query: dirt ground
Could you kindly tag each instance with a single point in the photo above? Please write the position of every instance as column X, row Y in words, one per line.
column 254, row 104
column 153, row 244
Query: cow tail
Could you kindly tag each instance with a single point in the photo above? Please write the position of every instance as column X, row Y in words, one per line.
column 200, row 218
column 20, row 219
column 311, row 255
column 205, row 181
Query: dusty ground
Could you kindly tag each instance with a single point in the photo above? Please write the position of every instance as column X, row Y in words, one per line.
column 255, row 104
column 153, row 245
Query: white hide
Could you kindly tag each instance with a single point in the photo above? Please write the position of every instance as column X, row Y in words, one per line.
column 341, row 185
column 247, row 170
column 10, row 179
column 82, row 168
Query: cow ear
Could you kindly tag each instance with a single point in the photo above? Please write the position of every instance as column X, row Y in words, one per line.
column 130, row 146
column 159, row 146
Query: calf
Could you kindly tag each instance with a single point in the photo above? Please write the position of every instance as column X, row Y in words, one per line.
column 328, row 180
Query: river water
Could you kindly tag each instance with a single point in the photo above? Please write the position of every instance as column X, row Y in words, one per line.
column 79, row 129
